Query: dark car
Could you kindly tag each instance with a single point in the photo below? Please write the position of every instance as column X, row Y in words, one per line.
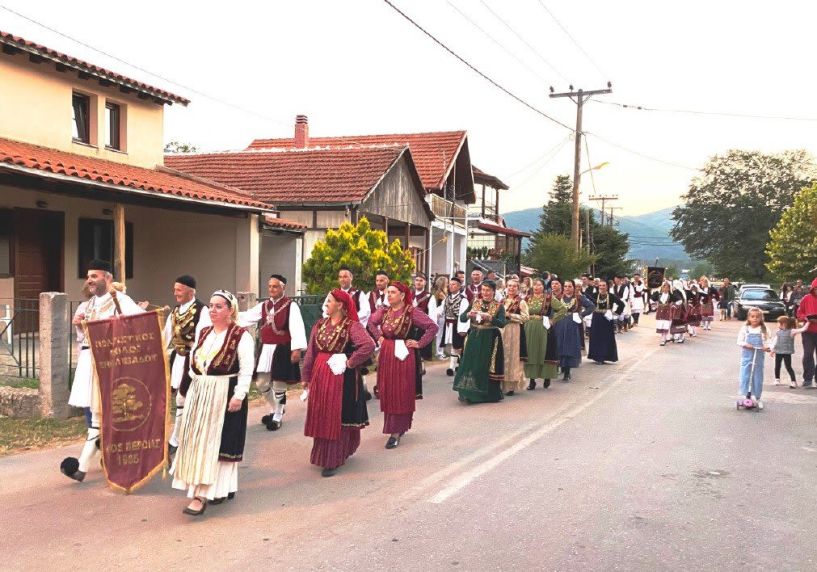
column 767, row 300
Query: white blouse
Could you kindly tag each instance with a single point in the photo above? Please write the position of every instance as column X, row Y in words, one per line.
column 246, row 358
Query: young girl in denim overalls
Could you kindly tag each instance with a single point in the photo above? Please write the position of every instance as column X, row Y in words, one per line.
column 753, row 339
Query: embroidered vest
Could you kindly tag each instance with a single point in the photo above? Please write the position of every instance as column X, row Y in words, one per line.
column 539, row 305
column 225, row 361
column 377, row 300
column 421, row 300
column 184, row 326
column 451, row 309
column 332, row 339
column 275, row 321
column 512, row 305
column 397, row 326
column 480, row 305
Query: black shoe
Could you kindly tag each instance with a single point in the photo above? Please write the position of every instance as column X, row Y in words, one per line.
column 274, row 425
column 230, row 496
column 70, row 468
column 367, row 395
column 392, row 443
column 449, row 372
column 546, row 383
column 217, row 501
column 532, row 385
column 329, row 472
column 266, row 419
column 567, row 377
column 191, row 512
column 509, row 393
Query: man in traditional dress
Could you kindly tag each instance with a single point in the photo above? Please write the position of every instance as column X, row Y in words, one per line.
column 639, row 298
column 621, row 288
column 473, row 289
column 104, row 303
column 377, row 297
column 421, row 300
column 283, row 337
column 452, row 335
column 181, row 329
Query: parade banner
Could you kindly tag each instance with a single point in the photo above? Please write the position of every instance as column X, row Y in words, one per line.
column 655, row 276
column 133, row 390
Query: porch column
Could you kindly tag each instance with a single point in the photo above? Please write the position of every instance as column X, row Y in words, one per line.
column 386, row 227
column 429, row 249
column 408, row 235
column 54, row 367
column 119, row 243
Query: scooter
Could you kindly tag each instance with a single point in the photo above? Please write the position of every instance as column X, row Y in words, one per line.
column 748, row 402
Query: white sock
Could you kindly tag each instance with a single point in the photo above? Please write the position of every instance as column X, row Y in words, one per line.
column 88, row 450
column 174, row 436
column 452, row 362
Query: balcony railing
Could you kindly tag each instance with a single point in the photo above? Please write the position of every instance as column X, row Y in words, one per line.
column 443, row 208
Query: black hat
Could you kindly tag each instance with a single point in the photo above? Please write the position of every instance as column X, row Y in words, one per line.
column 279, row 278
column 456, row 279
column 187, row 280
column 103, row 265
column 420, row 275
column 490, row 284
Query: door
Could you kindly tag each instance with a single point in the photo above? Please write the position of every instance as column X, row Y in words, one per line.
column 38, row 260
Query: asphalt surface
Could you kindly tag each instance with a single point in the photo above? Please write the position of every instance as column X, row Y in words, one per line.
column 641, row 465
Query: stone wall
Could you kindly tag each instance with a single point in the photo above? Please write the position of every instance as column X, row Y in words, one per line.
column 19, row 402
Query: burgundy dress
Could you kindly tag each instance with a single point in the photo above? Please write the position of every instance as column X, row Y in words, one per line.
column 396, row 380
column 336, row 408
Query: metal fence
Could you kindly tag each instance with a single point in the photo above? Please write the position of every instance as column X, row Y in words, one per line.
column 19, row 338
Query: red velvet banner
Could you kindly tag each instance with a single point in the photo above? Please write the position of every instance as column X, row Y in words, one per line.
column 133, row 390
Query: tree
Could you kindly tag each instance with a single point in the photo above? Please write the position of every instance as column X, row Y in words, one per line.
column 792, row 247
column 555, row 253
column 179, row 147
column 610, row 249
column 362, row 249
column 557, row 214
column 701, row 268
column 733, row 204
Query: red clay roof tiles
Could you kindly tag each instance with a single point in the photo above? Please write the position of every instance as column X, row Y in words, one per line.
column 157, row 181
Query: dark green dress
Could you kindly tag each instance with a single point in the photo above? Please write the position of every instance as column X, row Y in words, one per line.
column 481, row 371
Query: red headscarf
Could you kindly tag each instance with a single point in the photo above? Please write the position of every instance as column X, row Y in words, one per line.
column 405, row 290
column 814, row 284
column 348, row 303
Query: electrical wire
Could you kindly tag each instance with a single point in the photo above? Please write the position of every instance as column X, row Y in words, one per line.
column 554, row 153
column 708, row 113
column 524, row 41
column 561, row 143
column 141, row 69
column 640, row 154
column 497, row 42
column 590, row 164
column 474, row 69
column 572, row 39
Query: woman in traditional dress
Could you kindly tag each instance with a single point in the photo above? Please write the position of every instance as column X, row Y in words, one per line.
column 481, row 371
column 708, row 296
column 694, row 306
column 543, row 355
column 680, row 312
column 513, row 339
column 336, row 404
column 435, row 309
column 602, row 347
column 568, row 331
column 398, row 360
column 214, row 423
column 663, row 311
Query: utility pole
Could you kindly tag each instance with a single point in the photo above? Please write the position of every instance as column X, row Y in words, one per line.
column 603, row 199
column 611, row 213
column 579, row 97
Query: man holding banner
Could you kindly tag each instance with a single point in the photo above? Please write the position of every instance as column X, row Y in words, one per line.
column 105, row 303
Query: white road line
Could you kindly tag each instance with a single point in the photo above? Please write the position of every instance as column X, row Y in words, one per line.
column 466, row 478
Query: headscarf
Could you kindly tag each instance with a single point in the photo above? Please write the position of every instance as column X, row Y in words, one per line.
column 231, row 300
column 408, row 292
column 348, row 303
column 814, row 284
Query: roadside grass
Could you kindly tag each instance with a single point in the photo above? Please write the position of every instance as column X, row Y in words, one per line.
column 20, row 382
column 17, row 435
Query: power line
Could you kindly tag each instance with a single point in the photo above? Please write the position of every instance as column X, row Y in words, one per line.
column 572, row 39
column 559, row 145
column 497, row 42
column 141, row 69
column 553, row 153
column 640, row 154
column 709, row 113
column 590, row 164
column 524, row 41
column 474, row 69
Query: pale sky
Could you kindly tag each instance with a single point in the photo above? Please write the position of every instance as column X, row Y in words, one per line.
column 357, row 67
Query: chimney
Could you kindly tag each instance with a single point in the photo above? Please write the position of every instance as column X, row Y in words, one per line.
column 301, row 132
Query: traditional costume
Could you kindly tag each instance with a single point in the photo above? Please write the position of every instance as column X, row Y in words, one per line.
column 281, row 329
column 83, row 390
column 336, row 407
column 422, row 301
column 450, row 336
column 639, row 299
column 398, row 366
column 623, row 293
column 665, row 302
column 569, row 333
column 679, row 312
column 377, row 300
column 211, row 438
column 435, row 312
column 479, row 377
column 543, row 355
column 515, row 346
column 472, row 291
column 602, row 345
column 708, row 297
column 182, row 327
column 694, row 310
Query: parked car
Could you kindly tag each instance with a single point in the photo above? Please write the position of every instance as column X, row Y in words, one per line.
column 754, row 287
column 764, row 298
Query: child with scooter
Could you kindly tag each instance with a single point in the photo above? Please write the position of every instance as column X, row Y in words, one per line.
column 753, row 339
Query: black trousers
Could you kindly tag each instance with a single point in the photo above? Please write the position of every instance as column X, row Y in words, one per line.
column 784, row 359
column 809, row 349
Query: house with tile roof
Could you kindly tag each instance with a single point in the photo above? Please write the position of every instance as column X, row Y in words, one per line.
column 82, row 176
column 325, row 181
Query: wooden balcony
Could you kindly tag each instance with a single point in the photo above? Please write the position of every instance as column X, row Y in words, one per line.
column 445, row 209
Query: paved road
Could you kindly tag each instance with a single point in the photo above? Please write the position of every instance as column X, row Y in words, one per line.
column 643, row 465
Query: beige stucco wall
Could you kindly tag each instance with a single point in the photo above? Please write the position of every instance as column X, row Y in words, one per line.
column 280, row 254
column 35, row 107
column 220, row 251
